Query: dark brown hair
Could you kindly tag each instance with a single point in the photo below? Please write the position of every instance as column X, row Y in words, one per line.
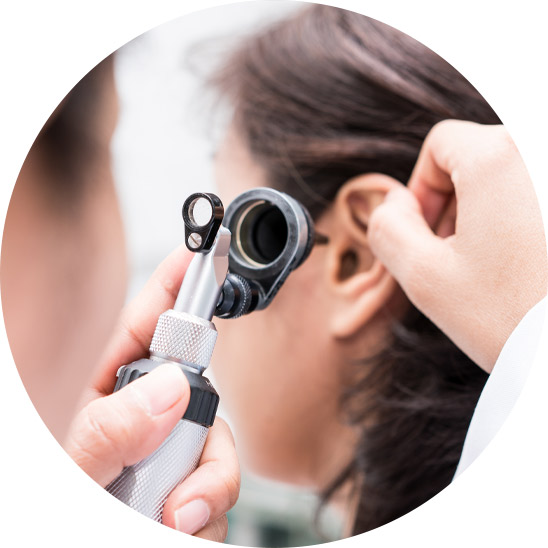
column 320, row 98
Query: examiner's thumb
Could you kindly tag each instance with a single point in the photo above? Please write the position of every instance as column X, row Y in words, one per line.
column 121, row 429
column 399, row 236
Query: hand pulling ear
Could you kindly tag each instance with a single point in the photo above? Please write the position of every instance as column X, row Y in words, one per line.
column 359, row 282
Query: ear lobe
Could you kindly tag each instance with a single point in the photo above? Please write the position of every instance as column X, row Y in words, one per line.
column 359, row 282
column 365, row 299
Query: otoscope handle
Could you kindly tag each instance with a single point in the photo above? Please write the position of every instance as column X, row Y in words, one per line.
column 146, row 485
column 188, row 342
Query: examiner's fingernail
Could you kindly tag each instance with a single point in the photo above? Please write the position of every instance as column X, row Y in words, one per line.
column 191, row 517
column 162, row 388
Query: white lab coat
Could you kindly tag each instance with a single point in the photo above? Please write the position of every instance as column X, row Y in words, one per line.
column 504, row 385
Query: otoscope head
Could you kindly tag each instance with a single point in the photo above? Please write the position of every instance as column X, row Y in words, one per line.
column 266, row 234
column 272, row 234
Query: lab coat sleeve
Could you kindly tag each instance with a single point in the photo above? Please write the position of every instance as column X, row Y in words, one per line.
column 504, row 384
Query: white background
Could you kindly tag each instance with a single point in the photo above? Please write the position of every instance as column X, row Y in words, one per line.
column 48, row 46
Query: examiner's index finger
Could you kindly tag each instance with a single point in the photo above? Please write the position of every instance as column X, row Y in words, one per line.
column 132, row 336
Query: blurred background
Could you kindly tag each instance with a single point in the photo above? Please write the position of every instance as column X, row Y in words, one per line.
column 162, row 152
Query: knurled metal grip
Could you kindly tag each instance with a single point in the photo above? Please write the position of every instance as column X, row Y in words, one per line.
column 184, row 338
column 146, row 485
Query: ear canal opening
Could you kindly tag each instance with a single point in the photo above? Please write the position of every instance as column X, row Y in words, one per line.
column 349, row 264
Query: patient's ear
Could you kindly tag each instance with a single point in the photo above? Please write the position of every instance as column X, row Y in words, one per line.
column 358, row 281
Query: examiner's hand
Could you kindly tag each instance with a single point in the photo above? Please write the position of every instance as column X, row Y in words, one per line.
column 120, row 429
column 465, row 241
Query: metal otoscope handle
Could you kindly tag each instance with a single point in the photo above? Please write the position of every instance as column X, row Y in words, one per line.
column 272, row 235
column 185, row 336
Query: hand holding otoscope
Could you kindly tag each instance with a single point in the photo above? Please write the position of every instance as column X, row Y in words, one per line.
column 237, row 268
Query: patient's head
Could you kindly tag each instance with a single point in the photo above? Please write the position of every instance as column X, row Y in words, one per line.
column 341, row 381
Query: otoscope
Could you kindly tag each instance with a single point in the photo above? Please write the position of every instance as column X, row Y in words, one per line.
column 241, row 260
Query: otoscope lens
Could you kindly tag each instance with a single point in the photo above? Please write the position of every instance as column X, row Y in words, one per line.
column 262, row 233
column 270, row 234
column 200, row 211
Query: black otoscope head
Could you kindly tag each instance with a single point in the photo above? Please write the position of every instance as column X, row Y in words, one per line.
column 272, row 234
